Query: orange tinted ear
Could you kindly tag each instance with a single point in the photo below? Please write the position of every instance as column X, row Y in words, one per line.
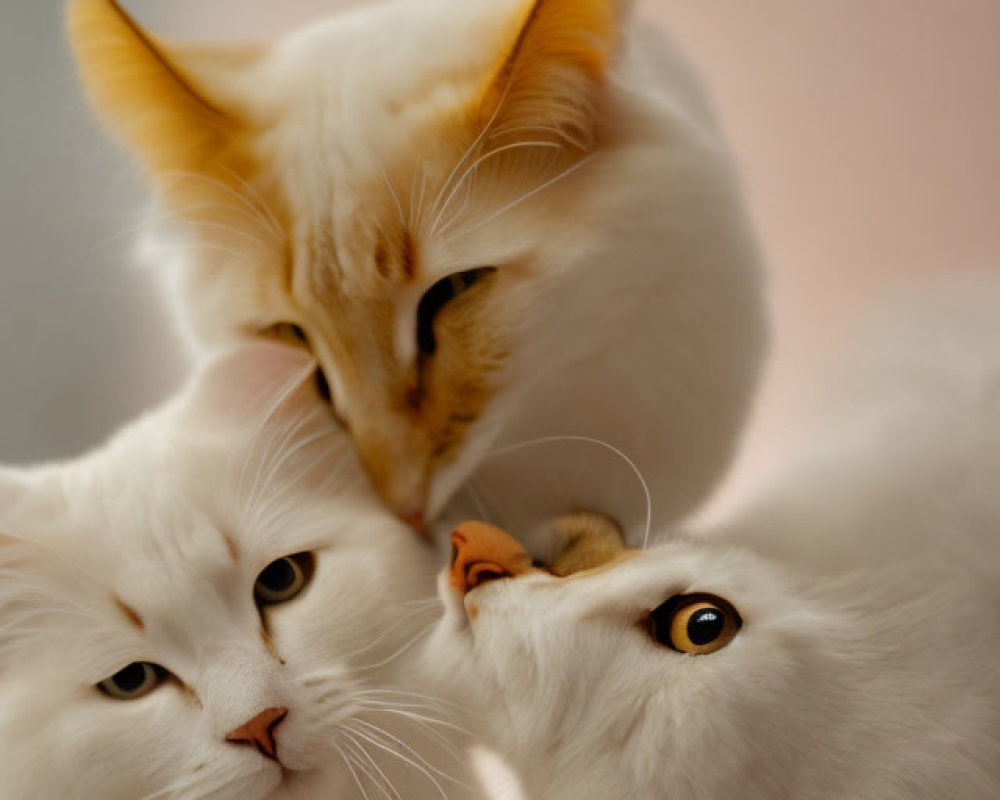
column 550, row 79
column 164, row 109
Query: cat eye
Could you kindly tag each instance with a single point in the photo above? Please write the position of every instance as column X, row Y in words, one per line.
column 283, row 579
column 437, row 297
column 134, row 681
column 290, row 333
column 697, row 624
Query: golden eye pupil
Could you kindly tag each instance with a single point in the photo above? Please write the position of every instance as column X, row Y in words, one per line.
column 695, row 624
column 705, row 626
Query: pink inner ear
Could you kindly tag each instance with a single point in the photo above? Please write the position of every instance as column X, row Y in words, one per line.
column 243, row 387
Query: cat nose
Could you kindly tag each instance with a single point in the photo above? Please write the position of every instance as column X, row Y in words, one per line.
column 482, row 553
column 259, row 731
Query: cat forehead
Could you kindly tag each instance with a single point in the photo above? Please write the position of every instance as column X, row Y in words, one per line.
column 367, row 115
column 676, row 568
column 393, row 54
column 622, row 593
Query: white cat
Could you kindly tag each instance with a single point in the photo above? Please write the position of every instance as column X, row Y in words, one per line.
column 491, row 220
column 856, row 659
column 213, row 605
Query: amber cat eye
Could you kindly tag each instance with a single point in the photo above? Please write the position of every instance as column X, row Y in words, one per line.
column 697, row 624
column 437, row 297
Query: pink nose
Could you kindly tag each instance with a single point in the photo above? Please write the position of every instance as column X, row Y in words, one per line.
column 259, row 731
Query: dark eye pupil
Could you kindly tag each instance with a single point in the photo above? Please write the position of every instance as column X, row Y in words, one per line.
column 130, row 678
column 437, row 297
column 278, row 576
column 705, row 626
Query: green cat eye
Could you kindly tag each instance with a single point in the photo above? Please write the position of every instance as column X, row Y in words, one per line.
column 437, row 297
column 283, row 579
column 134, row 681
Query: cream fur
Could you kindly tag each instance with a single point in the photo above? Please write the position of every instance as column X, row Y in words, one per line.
column 868, row 580
column 626, row 267
column 248, row 453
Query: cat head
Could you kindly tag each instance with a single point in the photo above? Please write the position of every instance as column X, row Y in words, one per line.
column 704, row 671
column 648, row 704
column 444, row 199
column 201, row 607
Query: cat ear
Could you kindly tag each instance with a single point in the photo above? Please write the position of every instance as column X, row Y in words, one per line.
column 238, row 391
column 551, row 77
column 175, row 106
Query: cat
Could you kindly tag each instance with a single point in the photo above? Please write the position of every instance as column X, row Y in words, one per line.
column 490, row 220
column 214, row 605
column 836, row 640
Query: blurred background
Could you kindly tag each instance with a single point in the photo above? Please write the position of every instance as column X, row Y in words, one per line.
column 869, row 133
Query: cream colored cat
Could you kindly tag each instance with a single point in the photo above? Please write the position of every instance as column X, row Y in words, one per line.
column 839, row 640
column 214, row 606
column 491, row 220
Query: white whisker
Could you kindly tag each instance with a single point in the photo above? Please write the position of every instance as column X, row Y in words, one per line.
column 589, row 440
column 477, row 163
column 401, row 756
column 561, row 176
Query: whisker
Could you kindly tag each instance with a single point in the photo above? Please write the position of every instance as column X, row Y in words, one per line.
column 561, row 176
column 478, row 162
column 400, row 651
column 354, row 775
column 384, row 783
column 384, row 734
column 388, row 632
column 470, row 150
column 401, row 756
column 589, row 440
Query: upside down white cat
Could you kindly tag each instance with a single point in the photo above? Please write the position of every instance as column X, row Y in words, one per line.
column 857, row 659
column 470, row 209
column 212, row 606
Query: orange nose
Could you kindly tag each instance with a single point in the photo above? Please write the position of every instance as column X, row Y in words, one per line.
column 259, row 731
column 484, row 553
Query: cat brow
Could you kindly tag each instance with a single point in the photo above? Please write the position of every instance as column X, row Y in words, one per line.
column 230, row 545
column 131, row 613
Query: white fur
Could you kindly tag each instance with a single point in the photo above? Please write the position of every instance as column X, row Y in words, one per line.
column 644, row 276
column 250, row 452
column 868, row 580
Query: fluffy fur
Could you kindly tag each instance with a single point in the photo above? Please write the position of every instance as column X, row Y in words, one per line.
column 868, row 581
column 330, row 179
column 148, row 549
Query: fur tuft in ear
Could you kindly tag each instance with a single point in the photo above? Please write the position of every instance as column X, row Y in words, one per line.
column 166, row 103
column 550, row 80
